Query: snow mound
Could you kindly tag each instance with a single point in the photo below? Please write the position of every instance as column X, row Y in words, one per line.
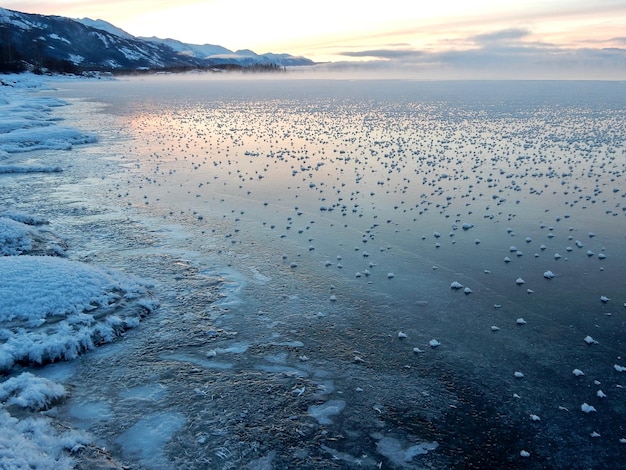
column 13, row 169
column 45, row 138
column 24, row 234
column 15, row 237
column 36, row 443
column 53, row 308
column 27, row 219
column 29, row 391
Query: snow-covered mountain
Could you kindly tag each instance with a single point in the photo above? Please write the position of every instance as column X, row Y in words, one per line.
column 65, row 44
column 106, row 26
column 221, row 55
column 193, row 50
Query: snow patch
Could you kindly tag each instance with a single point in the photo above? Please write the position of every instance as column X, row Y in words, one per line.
column 392, row 449
column 36, row 443
column 146, row 439
column 323, row 412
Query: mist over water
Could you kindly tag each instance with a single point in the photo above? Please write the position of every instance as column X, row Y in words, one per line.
column 304, row 236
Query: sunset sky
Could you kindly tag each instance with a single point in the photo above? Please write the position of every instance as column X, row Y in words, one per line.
column 524, row 39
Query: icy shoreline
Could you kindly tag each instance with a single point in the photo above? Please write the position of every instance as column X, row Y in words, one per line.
column 51, row 307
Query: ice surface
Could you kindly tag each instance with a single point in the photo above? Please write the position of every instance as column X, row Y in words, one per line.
column 282, row 370
column 205, row 363
column 235, row 348
column 151, row 392
column 91, row 412
column 233, row 179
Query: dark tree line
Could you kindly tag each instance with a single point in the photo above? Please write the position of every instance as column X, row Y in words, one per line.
column 24, row 56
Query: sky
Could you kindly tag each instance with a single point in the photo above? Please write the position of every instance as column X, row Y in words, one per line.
column 433, row 39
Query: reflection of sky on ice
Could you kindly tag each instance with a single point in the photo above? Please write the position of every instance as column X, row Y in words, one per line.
column 345, row 174
column 331, row 216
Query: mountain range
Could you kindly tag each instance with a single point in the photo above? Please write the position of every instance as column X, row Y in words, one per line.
column 39, row 42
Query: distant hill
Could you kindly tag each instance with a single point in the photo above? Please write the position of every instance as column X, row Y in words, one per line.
column 42, row 42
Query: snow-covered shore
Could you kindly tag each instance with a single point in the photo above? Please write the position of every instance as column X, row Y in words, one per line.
column 51, row 307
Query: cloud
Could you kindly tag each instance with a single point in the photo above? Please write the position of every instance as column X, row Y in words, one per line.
column 393, row 54
column 505, row 35
column 498, row 58
column 512, row 53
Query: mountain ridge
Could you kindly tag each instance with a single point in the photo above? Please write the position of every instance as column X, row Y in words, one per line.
column 50, row 42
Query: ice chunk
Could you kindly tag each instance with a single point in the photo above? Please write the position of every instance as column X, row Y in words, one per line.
column 589, row 340
column 587, row 408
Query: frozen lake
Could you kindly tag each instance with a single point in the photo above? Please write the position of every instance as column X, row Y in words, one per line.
column 352, row 273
